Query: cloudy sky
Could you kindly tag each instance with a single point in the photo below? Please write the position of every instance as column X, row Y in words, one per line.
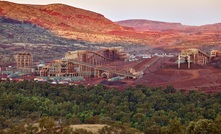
column 187, row 12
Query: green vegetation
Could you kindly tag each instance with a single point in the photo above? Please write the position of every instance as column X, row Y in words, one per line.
column 152, row 110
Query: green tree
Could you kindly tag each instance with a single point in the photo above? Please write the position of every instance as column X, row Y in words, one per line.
column 93, row 120
column 154, row 129
column 109, row 130
column 47, row 124
column 169, row 89
column 30, row 129
column 202, row 126
column 17, row 129
column 164, row 130
column 175, row 126
column 216, row 125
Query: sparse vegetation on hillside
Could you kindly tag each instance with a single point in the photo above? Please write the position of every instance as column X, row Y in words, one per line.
column 14, row 31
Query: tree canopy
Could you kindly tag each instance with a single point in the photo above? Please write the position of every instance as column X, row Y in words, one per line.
column 148, row 109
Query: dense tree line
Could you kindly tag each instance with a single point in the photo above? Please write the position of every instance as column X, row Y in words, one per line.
column 149, row 109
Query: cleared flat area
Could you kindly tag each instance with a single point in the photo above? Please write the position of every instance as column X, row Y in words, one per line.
column 89, row 127
column 205, row 78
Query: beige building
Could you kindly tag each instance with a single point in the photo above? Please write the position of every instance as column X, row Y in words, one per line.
column 24, row 62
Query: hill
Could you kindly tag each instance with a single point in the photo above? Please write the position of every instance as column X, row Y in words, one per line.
column 210, row 27
column 58, row 16
column 63, row 20
column 149, row 25
column 175, row 35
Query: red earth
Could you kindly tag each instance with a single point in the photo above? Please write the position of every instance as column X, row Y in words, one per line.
column 165, row 72
column 205, row 78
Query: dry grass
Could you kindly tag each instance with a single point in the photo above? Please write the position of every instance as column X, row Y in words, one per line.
column 89, row 127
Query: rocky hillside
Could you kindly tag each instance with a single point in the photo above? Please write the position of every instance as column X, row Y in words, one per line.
column 62, row 20
column 58, row 16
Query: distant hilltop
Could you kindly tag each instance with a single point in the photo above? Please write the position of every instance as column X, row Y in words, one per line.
column 149, row 25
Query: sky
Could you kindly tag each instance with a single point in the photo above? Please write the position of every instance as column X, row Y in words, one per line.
column 187, row 12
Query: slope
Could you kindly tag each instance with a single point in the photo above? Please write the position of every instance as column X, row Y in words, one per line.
column 14, row 31
column 63, row 20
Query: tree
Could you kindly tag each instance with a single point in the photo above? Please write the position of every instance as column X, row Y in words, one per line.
column 138, row 117
column 216, row 124
column 175, row 126
column 109, row 130
column 164, row 130
column 117, row 129
column 202, row 126
column 169, row 89
column 93, row 120
column 30, row 129
column 47, row 124
column 154, row 129
column 17, row 129
column 190, row 127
